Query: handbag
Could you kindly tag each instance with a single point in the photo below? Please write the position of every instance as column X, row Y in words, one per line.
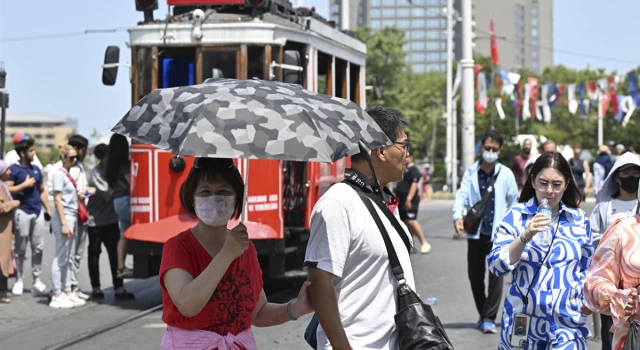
column 83, row 214
column 471, row 221
column 632, row 342
column 417, row 325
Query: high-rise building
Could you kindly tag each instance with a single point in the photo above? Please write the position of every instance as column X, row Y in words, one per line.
column 524, row 29
column 49, row 131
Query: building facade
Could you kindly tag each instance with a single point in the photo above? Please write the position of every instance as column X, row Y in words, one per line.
column 524, row 28
column 49, row 131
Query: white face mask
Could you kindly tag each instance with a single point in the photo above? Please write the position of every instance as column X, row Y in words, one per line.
column 490, row 157
column 215, row 210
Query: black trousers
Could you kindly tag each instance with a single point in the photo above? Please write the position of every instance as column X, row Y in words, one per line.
column 486, row 304
column 607, row 337
column 109, row 235
column 4, row 286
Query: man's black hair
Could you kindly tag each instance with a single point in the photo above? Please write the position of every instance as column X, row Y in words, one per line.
column 494, row 135
column 78, row 141
column 390, row 120
column 100, row 151
column 24, row 145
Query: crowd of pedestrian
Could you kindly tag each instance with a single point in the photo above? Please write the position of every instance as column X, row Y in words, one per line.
column 82, row 214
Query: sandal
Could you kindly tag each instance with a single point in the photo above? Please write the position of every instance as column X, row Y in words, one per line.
column 5, row 300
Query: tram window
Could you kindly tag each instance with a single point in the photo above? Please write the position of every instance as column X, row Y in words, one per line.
column 341, row 78
column 255, row 66
column 176, row 71
column 354, row 85
column 219, row 64
column 324, row 74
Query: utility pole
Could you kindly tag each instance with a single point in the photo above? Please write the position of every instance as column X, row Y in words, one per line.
column 448, row 115
column 454, row 146
column 468, row 114
column 4, row 104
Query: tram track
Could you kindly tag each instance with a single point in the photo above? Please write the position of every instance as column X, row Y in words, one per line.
column 115, row 325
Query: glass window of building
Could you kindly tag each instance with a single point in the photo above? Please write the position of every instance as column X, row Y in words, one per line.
column 403, row 12
column 534, row 42
column 433, row 45
column 389, row 2
column 417, row 23
column 534, row 54
column 433, row 23
column 376, row 24
column 388, row 12
column 534, row 21
column 417, row 45
column 534, row 32
column 433, row 56
column 335, row 8
column 403, row 23
column 417, row 12
column 405, row 46
column 418, row 68
column 388, row 23
column 433, row 67
column 534, row 11
column 376, row 13
column 417, row 56
column 434, row 34
column 434, row 2
column 535, row 66
column 376, row 2
column 417, row 34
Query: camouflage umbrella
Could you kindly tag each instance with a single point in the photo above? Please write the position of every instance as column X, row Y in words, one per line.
column 255, row 119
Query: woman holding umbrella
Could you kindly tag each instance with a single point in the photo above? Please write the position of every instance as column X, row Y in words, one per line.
column 612, row 277
column 210, row 276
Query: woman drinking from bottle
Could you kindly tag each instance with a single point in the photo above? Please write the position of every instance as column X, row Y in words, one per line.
column 544, row 307
column 210, row 277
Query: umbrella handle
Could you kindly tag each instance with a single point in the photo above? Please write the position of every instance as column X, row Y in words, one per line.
column 245, row 169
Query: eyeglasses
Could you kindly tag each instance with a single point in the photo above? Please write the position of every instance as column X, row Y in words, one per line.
column 406, row 145
column 73, row 158
column 491, row 149
column 205, row 162
column 544, row 185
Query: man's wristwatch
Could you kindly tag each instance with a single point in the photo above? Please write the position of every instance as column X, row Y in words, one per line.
column 524, row 240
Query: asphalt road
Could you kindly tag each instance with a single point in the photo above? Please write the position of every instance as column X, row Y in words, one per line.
column 28, row 323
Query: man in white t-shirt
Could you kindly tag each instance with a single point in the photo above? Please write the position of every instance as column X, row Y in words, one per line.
column 352, row 287
column 12, row 156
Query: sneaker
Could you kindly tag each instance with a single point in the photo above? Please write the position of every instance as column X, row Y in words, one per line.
column 425, row 248
column 489, row 327
column 38, row 288
column 18, row 288
column 81, row 295
column 61, row 302
column 73, row 298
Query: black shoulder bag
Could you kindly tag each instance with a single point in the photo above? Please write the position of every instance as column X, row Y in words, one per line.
column 418, row 327
column 472, row 220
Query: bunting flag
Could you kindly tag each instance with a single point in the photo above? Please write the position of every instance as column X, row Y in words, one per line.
column 526, row 111
column 573, row 103
column 582, row 103
column 628, row 106
column 592, row 91
column 560, row 88
column 481, row 85
column 546, row 109
column 494, row 45
column 554, row 96
column 613, row 94
column 533, row 91
column 603, row 105
column 618, row 115
column 632, row 82
column 499, row 108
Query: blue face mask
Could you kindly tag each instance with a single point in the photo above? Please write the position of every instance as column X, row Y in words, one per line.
column 490, row 157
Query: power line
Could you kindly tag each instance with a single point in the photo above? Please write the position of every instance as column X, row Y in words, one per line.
column 61, row 35
column 566, row 52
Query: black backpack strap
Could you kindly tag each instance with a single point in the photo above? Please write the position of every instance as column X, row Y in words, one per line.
column 396, row 268
column 377, row 199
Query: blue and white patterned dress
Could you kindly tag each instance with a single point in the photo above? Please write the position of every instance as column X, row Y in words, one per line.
column 556, row 294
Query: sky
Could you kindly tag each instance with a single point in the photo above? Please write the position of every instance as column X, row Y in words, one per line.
column 63, row 76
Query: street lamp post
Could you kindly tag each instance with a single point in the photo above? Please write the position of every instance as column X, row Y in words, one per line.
column 468, row 113
column 4, row 104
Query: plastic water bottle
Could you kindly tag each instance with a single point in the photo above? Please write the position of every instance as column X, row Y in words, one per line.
column 431, row 301
column 545, row 236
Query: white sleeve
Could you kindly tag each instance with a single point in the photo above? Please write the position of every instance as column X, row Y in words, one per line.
column 36, row 161
column 330, row 237
column 12, row 157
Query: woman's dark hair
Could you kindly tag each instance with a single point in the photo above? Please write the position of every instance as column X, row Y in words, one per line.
column 571, row 197
column 117, row 158
column 211, row 169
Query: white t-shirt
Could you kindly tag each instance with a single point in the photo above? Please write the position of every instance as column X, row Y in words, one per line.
column 12, row 157
column 346, row 242
column 621, row 209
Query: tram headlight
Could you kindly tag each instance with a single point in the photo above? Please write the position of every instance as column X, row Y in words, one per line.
column 177, row 164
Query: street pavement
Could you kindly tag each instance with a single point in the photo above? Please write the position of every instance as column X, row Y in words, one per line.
column 28, row 323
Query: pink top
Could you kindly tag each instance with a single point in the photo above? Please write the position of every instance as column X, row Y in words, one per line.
column 614, row 274
column 184, row 339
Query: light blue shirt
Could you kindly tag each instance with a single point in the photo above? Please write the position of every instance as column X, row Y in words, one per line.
column 506, row 194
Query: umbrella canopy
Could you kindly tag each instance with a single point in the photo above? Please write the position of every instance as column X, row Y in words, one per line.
column 257, row 119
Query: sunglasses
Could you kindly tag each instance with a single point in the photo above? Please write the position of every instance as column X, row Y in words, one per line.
column 73, row 158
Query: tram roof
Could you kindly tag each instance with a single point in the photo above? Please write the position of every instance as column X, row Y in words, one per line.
column 232, row 29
